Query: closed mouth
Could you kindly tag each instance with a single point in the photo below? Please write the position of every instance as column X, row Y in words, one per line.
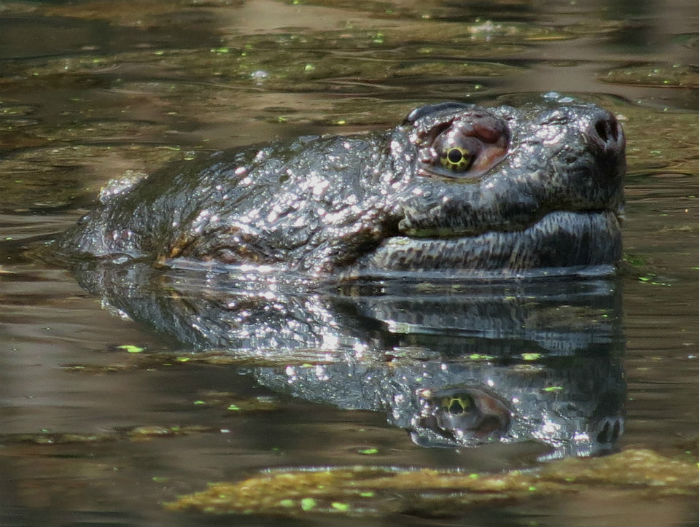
column 473, row 231
column 559, row 239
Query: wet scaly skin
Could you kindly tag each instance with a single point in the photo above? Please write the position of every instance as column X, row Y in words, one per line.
column 455, row 188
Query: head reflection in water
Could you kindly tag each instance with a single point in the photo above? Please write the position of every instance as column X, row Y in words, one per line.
column 462, row 414
column 455, row 366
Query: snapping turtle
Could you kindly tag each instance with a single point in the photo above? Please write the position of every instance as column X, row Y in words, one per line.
column 454, row 188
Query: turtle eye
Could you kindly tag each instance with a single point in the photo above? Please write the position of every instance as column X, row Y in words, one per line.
column 456, row 158
column 454, row 153
column 463, row 147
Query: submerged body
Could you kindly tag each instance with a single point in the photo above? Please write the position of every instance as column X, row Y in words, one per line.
column 454, row 188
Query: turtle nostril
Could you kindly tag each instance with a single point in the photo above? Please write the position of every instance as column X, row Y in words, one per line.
column 600, row 127
column 615, row 129
column 607, row 130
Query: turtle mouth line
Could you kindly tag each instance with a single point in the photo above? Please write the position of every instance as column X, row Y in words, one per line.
column 443, row 233
column 559, row 239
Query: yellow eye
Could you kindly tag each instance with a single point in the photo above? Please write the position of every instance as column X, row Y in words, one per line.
column 456, row 159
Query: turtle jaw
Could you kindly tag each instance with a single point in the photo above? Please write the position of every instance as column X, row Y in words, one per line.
column 569, row 241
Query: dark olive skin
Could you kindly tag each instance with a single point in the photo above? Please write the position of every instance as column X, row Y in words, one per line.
column 455, row 188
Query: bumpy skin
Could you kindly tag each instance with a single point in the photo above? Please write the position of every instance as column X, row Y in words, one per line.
column 543, row 189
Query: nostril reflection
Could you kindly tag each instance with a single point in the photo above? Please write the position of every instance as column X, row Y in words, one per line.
column 603, row 435
column 616, row 431
column 611, row 430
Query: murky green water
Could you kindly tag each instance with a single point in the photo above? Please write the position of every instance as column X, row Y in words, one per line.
column 93, row 433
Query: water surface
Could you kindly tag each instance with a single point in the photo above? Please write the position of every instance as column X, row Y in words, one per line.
column 91, row 433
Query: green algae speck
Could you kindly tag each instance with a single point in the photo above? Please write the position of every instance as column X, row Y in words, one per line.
column 130, row 348
column 307, row 504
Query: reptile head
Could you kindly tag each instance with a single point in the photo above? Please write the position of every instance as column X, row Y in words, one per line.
column 505, row 188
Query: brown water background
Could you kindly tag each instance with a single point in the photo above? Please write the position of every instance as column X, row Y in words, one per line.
column 90, row 89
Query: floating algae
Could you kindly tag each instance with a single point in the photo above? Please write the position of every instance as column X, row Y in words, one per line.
column 366, row 491
column 136, row 433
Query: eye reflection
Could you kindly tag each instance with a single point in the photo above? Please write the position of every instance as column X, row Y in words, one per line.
column 464, row 414
column 457, row 404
